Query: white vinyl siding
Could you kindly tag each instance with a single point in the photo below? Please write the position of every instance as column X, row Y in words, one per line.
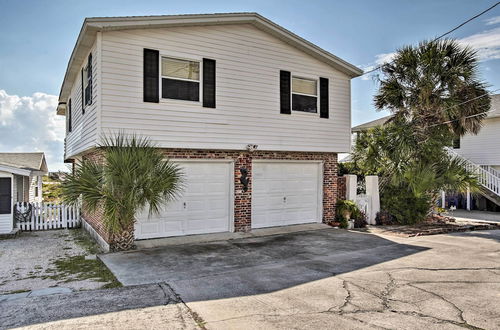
column 84, row 126
column 6, row 220
column 36, row 182
column 247, row 90
column 483, row 148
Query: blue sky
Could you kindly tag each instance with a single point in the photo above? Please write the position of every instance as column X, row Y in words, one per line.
column 38, row 37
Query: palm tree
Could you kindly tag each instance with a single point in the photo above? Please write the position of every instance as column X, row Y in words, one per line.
column 132, row 174
column 435, row 87
column 435, row 95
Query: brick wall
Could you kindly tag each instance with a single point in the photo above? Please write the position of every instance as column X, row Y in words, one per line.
column 243, row 199
column 95, row 219
column 341, row 187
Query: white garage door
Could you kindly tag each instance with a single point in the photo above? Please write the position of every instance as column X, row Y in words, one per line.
column 203, row 207
column 286, row 193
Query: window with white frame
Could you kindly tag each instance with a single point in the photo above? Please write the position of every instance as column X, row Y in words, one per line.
column 180, row 79
column 304, row 94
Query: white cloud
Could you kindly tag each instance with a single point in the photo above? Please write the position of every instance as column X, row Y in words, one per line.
column 487, row 43
column 381, row 59
column 493, row 20
column 30, row 123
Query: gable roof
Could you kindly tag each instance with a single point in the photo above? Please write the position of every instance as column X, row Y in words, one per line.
column 370, row 124
column 493, row 113
column 93, row 25
column 31, row 161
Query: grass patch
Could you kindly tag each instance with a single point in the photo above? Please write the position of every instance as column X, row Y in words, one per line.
column 76, row 267
column 17, row 291
column 83, row 239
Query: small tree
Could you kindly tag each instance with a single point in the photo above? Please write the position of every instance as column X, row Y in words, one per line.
column 434, row 95
column 132, row 174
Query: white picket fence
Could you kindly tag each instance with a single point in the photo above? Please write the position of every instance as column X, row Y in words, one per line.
column 45, row 216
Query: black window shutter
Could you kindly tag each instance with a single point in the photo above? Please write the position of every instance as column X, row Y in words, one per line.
column 208, row 83
column 70, row 127
column 151, row 75
column 323, row 98
column 88, row 92
column 285, row 91
column 5, row 195
column 83, row 93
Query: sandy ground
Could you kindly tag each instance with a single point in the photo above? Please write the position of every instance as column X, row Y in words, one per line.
column 27, row 262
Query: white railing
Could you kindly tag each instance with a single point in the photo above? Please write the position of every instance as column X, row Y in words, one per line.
column 486, row 177
column 45, row 216
column 491, row 170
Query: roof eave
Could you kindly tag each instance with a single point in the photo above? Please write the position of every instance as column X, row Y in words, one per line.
column 20, row 171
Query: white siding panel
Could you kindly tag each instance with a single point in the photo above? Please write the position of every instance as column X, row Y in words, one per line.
column 85, row 126
column 6, row 220
column 483, row 148
column 248, row 109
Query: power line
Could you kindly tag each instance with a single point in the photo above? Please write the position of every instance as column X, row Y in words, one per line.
column 466, row 117
column 464, row 102
column 444, row 34
column 467, row 21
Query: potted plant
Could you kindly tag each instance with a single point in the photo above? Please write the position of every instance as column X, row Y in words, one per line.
column 346, row 210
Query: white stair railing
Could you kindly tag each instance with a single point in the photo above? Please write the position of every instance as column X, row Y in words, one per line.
column 488, row 177
column 491, row 170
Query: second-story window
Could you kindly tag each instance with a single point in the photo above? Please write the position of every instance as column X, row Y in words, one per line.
column 180, row 79
column 69, row 119
column 87, row 84
column 304, row 95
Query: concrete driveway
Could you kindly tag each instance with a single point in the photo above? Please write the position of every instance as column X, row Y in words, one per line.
column 329, row 278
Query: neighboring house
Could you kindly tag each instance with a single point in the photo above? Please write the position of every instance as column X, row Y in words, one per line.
column 482, row 151
column 218, row 93
column 20, row 181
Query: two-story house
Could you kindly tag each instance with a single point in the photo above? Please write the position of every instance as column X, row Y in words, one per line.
column 223, row 95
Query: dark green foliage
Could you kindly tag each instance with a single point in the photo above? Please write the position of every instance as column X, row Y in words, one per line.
column 343, row 223
column 132, row 175
column 424, row 88
column 404, row 206
column 347, row 210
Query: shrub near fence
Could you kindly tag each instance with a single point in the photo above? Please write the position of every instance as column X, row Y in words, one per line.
column 45, row 216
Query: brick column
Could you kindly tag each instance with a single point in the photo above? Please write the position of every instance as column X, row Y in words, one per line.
column 242, row 199
column 329, row 187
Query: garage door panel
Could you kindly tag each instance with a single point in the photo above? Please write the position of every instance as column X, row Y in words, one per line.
column 285, row 193
column 202, row 206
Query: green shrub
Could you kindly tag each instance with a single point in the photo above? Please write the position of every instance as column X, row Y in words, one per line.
column 343, row 223
column 347, row 210
column 404, row 206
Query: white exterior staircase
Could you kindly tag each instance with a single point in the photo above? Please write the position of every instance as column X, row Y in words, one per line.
column 488, row 177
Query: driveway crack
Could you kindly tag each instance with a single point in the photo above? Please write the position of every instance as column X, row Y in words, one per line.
column 170, row 292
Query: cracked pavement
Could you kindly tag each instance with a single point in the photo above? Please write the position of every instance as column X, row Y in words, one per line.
column 330, row 278
column 307, row 280
column 454, row 283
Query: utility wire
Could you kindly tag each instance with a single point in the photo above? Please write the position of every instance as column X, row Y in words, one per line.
column 464, row 102
column 444, row 34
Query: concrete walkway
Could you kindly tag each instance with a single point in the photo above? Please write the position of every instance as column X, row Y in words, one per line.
column 152, row 306
column 330, row 278
column 35, row 293
column 319, row 279
column 475, row 215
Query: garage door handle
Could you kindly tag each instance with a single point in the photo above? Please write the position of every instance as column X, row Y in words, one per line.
column 284, row 199
column 184, row 204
